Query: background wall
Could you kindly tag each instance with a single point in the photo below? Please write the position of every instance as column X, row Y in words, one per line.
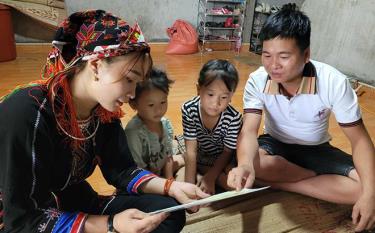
column 343, row 32
column 343, row 35
column 154, row 16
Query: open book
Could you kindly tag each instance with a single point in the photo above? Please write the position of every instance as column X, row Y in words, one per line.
column 213, row 198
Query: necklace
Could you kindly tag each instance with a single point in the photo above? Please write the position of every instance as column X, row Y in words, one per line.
column 83, row 123
column 79, row 138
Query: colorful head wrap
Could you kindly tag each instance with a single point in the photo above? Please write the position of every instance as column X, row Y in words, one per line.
column 88, row 34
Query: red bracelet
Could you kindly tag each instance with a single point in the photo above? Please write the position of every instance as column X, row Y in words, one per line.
column 167, row 185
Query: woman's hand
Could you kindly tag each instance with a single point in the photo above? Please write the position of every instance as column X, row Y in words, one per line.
column 185, row 192
column 136, row 221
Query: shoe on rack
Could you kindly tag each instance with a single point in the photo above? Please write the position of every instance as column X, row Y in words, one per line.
column 210, row 24
column 263, row 8
column 228, row 22
column 216, row 11
column 275, row 9
column 237, row 11
column 259, row 7
column 220, row 25
column 226, row 11
column 228, row 8
column 267, row 8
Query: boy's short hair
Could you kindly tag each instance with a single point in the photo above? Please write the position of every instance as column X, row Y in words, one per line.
column 219, row 69
column 288, row 23
column 157, row 79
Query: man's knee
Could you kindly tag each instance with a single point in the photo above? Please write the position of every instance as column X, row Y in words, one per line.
column 271, row 164
column 353, row 174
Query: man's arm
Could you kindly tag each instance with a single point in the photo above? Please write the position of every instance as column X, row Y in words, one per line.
column 364, row 159
column 247, row 150
column 247, row 144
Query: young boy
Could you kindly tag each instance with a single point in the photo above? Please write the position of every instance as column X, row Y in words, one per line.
column 297, row 96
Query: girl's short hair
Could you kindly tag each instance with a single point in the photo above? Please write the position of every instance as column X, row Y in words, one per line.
column 157, row 79
column 218, row 69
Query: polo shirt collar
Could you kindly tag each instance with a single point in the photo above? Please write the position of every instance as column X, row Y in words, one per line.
column 307, row 86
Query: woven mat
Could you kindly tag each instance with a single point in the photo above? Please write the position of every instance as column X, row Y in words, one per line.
column 271, row 212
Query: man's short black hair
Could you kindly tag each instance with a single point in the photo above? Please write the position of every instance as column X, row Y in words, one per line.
column 288, row 23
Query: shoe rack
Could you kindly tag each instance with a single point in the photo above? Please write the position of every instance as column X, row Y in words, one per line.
column 221, row 21
column 263, row 9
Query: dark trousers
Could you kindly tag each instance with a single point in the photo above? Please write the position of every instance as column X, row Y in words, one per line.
column 81, row 197
column 322, row 159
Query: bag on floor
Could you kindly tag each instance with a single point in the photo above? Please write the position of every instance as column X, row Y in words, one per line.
column 183, row 38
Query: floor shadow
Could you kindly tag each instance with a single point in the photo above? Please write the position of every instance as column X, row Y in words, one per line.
column 249, row 59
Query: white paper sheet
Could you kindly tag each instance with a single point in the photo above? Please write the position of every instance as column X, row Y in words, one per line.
column 213, row 198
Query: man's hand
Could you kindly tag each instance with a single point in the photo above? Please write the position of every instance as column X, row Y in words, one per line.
column 207, row 184
column 185, row 192
column 363, row 214
column 241, row 177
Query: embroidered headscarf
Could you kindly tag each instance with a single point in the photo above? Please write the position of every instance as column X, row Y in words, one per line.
column 80, row 37
column 88, row 34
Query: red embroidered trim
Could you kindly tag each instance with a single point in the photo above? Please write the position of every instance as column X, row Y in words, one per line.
column 78, row 223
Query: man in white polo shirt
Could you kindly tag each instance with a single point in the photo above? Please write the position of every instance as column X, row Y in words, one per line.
column 297, row 96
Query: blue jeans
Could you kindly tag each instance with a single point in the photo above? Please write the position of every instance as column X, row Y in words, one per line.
column 322, row 159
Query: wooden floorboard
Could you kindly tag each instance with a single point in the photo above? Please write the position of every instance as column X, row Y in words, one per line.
column 184, row 70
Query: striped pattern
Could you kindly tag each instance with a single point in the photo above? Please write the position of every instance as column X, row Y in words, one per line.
column 79, row 223
column 70, row 223
column 142, row 176
column 210, row 142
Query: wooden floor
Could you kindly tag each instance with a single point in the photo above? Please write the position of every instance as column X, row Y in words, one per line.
column 184, row 70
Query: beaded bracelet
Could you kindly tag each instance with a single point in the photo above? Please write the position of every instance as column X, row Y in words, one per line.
column 167, row 185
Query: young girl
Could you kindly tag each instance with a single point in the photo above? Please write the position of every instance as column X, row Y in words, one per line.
column 64, row 126
column 211, row 126
column 149, row 133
